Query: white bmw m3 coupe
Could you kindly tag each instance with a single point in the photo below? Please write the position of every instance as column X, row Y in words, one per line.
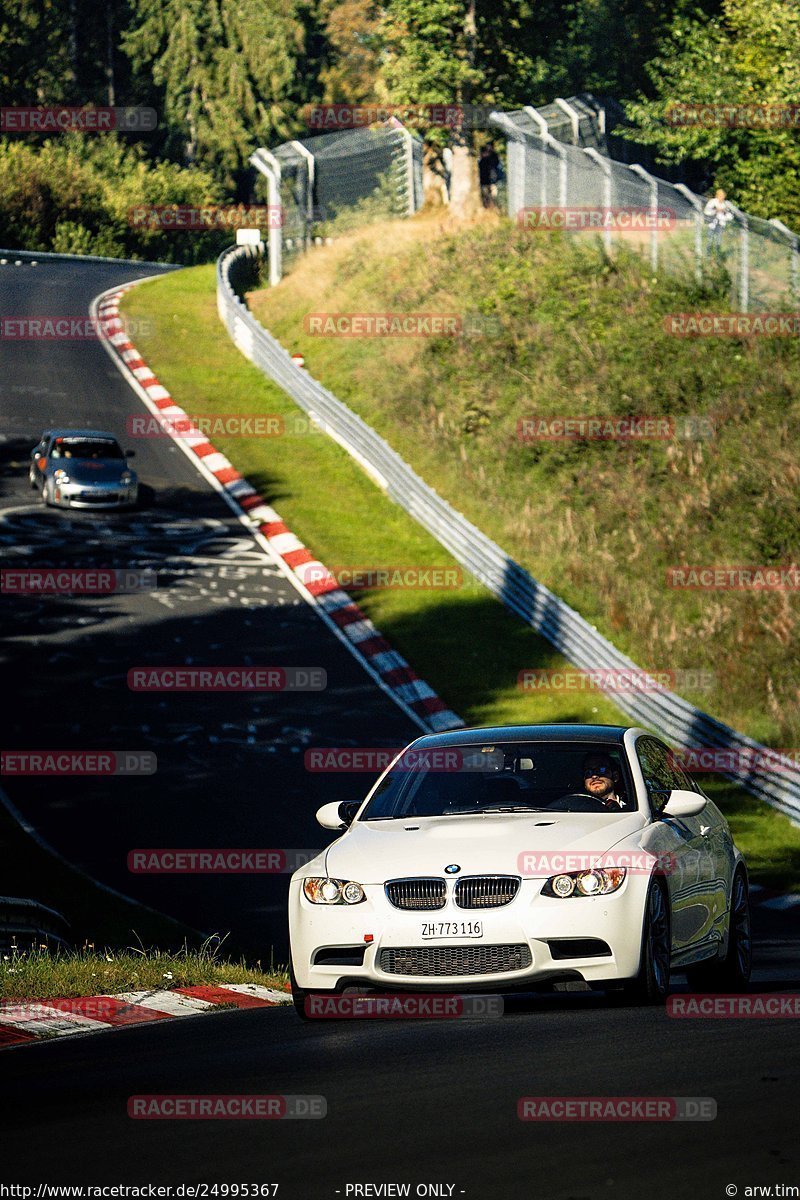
column 516, row 857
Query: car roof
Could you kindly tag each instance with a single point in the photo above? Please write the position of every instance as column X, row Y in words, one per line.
column 612, row 735
column 98, row 433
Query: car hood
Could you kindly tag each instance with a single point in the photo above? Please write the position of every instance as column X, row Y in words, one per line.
column 92, row 470
column 373, row 851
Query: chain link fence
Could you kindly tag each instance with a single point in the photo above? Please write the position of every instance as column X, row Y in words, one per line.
column 555, row 161
column 328, row 184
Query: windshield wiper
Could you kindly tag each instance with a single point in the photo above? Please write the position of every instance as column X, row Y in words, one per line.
column 511, row 808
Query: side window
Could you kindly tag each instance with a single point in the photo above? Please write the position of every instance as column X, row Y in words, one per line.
column 660, row 774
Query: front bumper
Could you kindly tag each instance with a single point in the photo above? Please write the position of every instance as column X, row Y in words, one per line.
column 534, row 939
column 76, row 495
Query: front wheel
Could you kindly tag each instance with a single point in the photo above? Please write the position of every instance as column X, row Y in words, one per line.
column 300, row 997
column 651, row 984
column 731, row 973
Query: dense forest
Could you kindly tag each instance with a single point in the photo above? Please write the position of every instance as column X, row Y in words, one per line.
column 224, row 77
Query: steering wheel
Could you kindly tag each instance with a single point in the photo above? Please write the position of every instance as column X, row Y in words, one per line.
column 577, row 802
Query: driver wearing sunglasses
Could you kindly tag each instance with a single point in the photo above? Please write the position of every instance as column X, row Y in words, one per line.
column 601, row 778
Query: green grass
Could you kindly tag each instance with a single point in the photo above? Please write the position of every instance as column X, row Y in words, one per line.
column 598, row 522
column 463, row 642
column 41, row 975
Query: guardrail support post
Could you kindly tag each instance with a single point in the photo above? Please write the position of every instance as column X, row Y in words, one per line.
column 697, row 205
column 605, row 167
column 794, row 254
column 744, row 259
column 268, row 165
column 305, row 153
column 652, row 183
column 575, row 119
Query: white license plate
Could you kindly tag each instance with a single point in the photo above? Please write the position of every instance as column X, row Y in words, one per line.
column 451, row 929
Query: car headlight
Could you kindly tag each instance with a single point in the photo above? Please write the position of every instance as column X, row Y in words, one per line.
column 126, row 478
column 61, row 476
column 599, row 882
column 333, row 891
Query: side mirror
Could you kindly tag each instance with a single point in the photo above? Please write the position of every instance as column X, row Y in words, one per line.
column 338, row 814
column 683, row 803
column 130, row 454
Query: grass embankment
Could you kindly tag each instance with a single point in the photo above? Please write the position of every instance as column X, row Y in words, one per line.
column 463, row 642
column 86, row 972
column 598, row 522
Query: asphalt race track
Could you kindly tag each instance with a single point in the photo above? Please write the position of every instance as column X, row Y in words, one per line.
column 230, row 767
column 414, row 1102
column 409, row 1103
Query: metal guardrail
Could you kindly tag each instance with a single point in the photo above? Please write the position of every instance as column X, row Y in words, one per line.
column 92, row 258
column 678, row 721
column 26, row 923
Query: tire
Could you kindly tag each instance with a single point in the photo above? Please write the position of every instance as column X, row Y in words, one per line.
column 299, row 996
column 651, row 984
column 45, row 497
column 731, row 973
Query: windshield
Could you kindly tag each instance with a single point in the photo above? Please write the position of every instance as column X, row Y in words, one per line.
column 507, row 777
column 86, row 448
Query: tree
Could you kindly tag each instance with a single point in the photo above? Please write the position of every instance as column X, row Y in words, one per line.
column 600, row 46
column 462, row 53
column 351, row 31
column 749, row 56
column 227, row 72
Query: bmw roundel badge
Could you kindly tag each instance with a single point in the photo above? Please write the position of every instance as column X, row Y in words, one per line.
column 452, row 869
